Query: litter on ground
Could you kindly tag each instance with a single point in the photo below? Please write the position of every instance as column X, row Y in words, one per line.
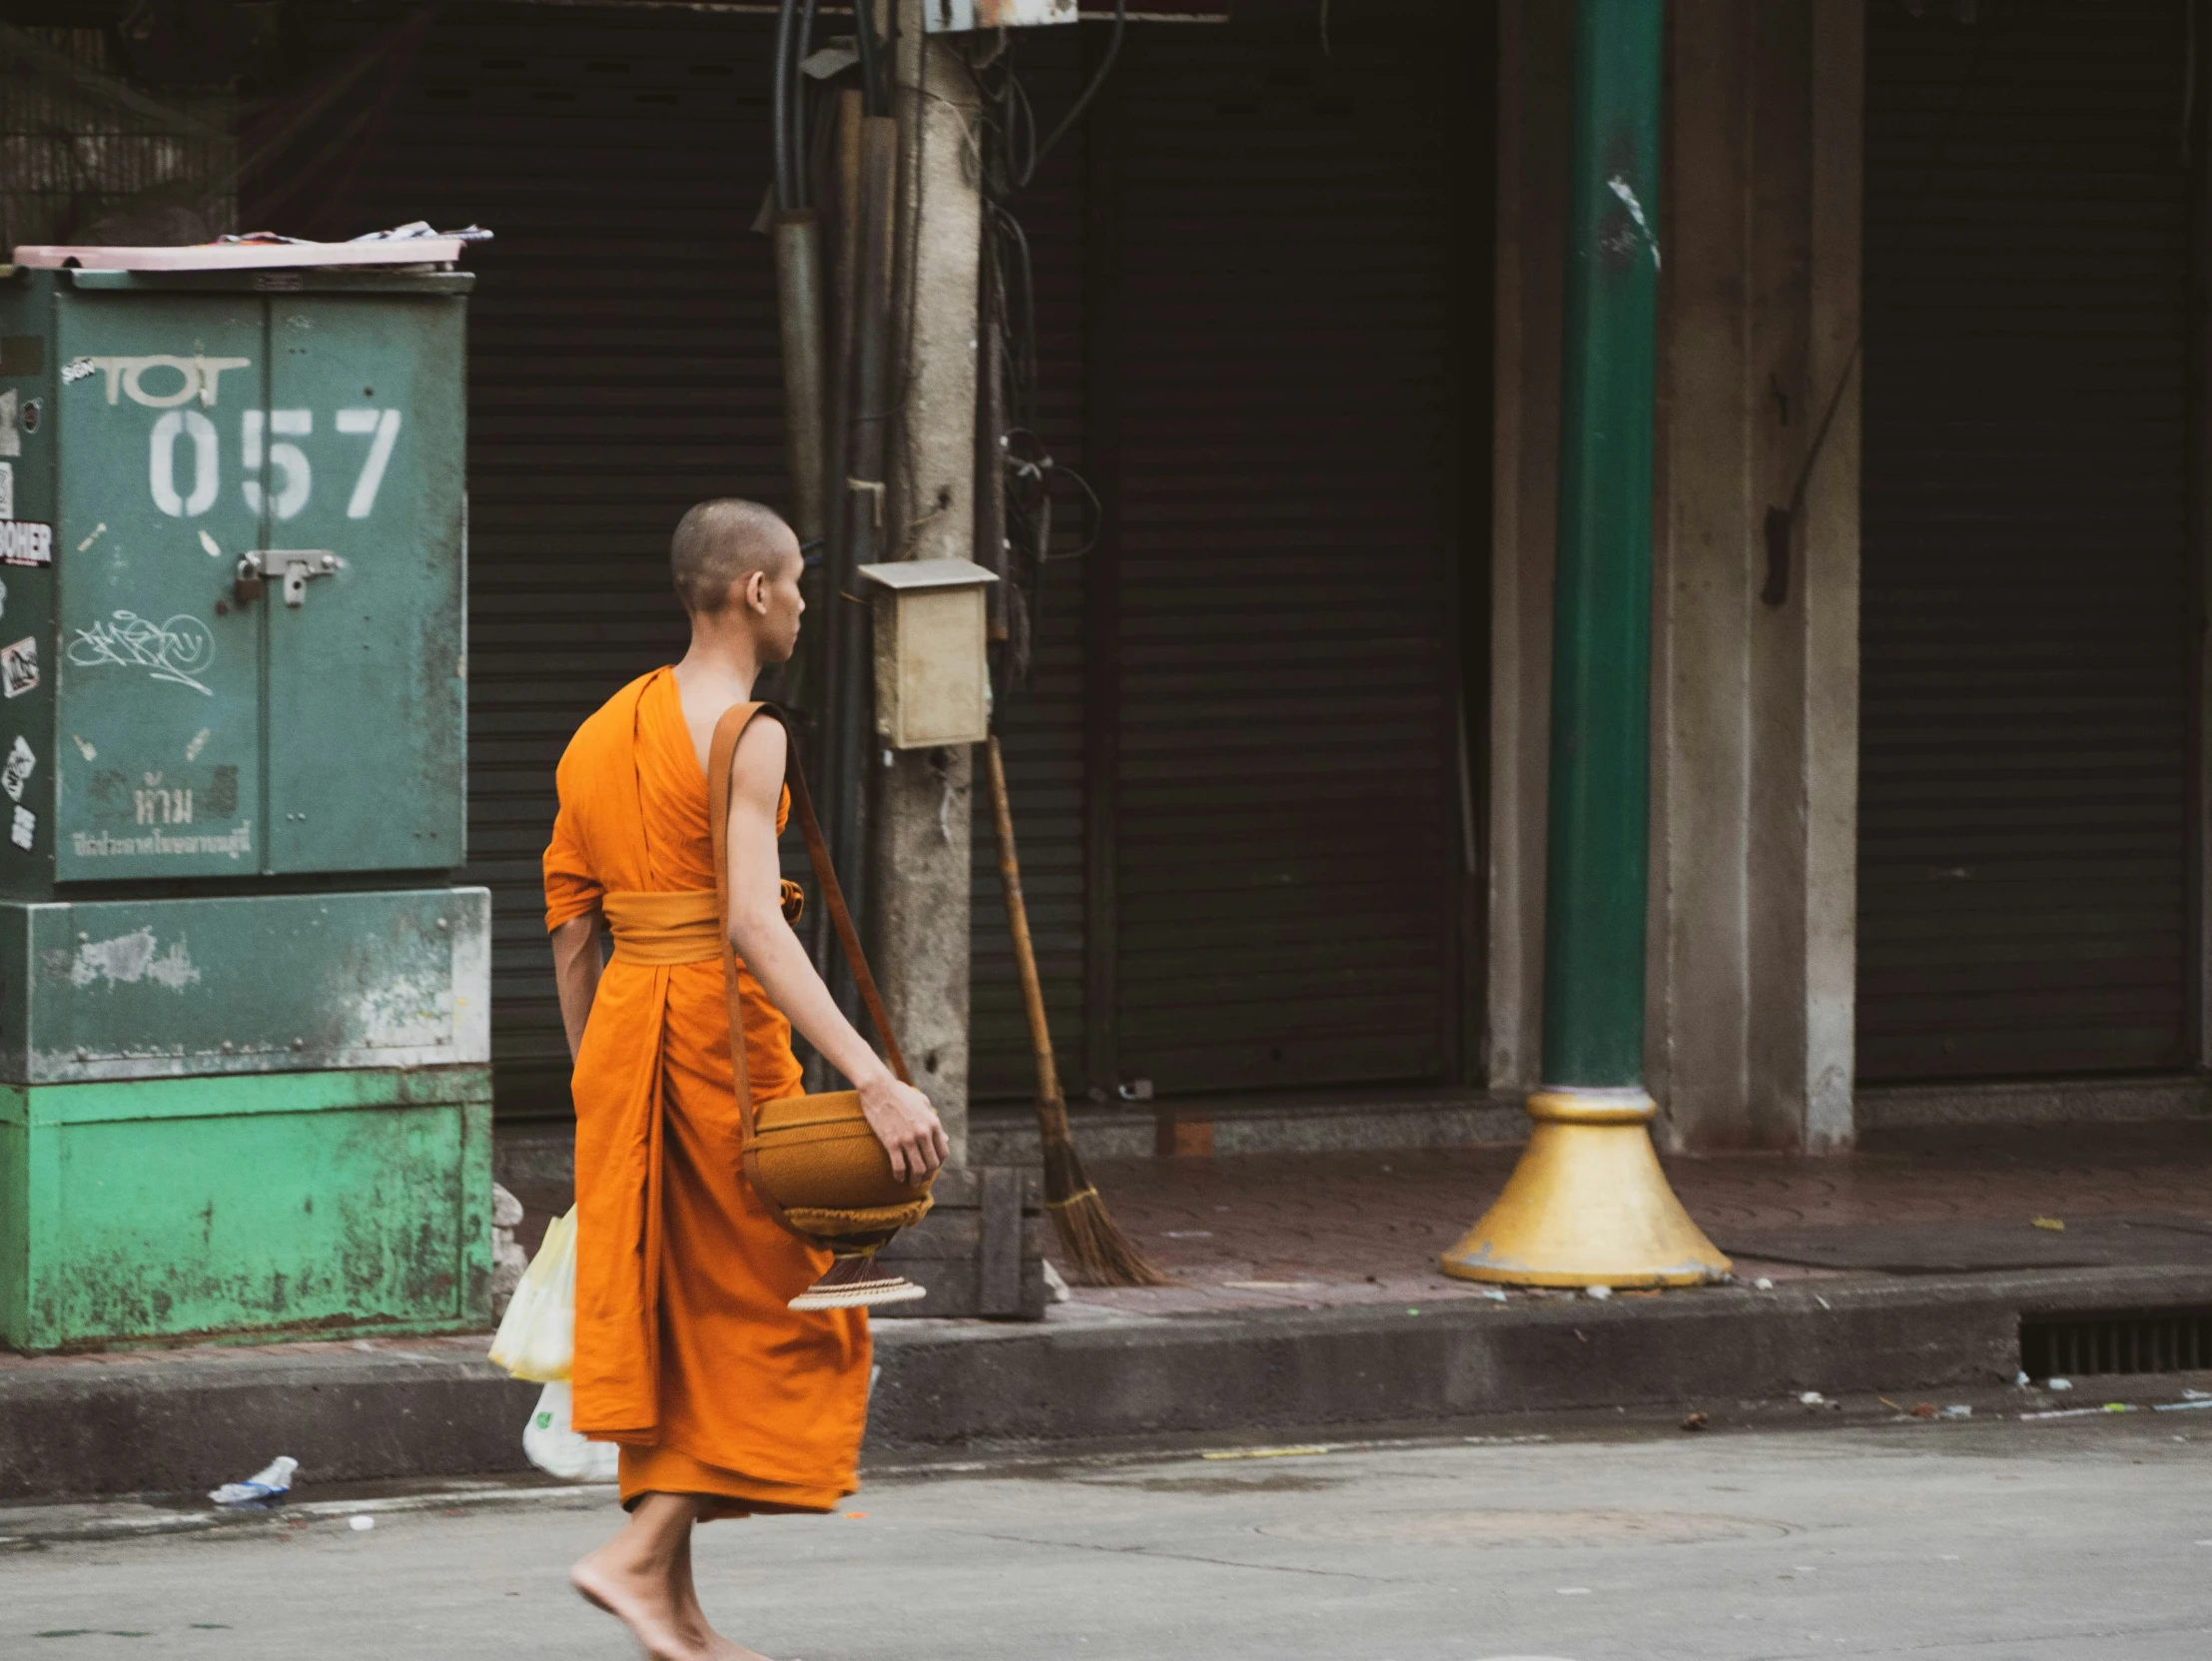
column 267, row 1486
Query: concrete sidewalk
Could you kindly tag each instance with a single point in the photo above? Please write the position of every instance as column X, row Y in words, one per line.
column 1305, row 1295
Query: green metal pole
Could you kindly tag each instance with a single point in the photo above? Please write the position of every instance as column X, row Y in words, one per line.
column 1602, row 609
column 1587, row 1204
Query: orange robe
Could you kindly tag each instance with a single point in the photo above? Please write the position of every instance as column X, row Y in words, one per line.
column 685, row 1353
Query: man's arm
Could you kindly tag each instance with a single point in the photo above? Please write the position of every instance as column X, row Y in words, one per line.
column 899, row 1115
column 576, row 965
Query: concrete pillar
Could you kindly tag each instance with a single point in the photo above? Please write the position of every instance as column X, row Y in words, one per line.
column 1831, row 587
column 1755, row 708
column 1535, row 71
column 1718, row 474
column 919, row 824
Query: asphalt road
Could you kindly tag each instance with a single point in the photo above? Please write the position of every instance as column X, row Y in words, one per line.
column 1987, row 1541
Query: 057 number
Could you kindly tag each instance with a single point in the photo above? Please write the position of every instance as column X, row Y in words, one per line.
column 265, row 443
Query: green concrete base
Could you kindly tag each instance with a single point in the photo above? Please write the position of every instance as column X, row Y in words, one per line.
column 251, row 1209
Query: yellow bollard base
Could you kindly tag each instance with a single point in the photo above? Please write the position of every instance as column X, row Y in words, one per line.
column 1588, row 1204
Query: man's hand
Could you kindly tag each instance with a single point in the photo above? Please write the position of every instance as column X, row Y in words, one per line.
column 906, row 1124
column 899, row 1114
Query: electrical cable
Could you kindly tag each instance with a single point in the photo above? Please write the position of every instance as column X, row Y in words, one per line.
column 1020, row 344
column 1020, row 116
column 1010, row 157
column 801, row 195
column 869, row 48
column 1105, row 68
column 908, row 364
column 779, row 109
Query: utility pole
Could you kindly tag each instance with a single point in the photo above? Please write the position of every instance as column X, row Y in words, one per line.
column 1588, row 1203
column 920, row 823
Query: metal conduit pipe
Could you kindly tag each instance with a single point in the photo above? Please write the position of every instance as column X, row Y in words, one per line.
column 834, row 763
column 869, row 536
column 801, row 46
column 779, row 109
column 796, row 235
column 798, row 248
column 870, row 47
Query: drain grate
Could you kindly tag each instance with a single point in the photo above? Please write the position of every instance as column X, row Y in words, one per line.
column 2142, row 1340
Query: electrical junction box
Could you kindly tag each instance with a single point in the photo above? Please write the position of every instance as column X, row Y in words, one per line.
column 953, row 17
column 232, row 639
column 933, row 679
column 233, row 675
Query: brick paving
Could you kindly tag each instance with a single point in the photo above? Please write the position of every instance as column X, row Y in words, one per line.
column 1306, row 1231
column 1310, row 1230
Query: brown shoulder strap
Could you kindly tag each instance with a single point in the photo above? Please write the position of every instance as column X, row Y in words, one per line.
column 720, row 755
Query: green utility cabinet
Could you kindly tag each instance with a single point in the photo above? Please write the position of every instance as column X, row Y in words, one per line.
column 245, row 1079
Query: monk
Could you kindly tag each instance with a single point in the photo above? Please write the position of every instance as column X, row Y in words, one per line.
column 725, row 1403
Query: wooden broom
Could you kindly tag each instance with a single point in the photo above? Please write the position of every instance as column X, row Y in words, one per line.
column 1100, row 1254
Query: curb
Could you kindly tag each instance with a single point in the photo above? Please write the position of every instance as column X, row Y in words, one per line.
column 180, row 1425
column 1372, row 1364
column 175, row 1424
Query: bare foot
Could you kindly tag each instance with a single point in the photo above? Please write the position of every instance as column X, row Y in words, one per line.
column 728, row 1649
column 642, row 1603
column 693, row 1618
column 711, row 1643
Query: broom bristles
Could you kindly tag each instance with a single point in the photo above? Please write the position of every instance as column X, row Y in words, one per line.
column 1098, row 1251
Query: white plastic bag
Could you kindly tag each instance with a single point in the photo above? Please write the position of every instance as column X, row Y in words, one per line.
column 552, row 1444
column 537, row 1336
column 266, row 1487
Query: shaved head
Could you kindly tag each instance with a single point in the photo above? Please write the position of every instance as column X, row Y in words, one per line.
column 724, row 542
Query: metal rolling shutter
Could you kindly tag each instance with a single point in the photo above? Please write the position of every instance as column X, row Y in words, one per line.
column 2029, row 363
column 623, row 363
column 1284, row 891
column 1040, row 726
column 1285, row 915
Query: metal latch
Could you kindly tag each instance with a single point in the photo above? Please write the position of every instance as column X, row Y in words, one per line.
column 290, row 566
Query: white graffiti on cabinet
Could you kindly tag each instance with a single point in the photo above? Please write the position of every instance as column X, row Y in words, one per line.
column 178, row 650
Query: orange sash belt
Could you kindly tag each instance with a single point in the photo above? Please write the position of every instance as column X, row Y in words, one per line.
column 680, row 926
